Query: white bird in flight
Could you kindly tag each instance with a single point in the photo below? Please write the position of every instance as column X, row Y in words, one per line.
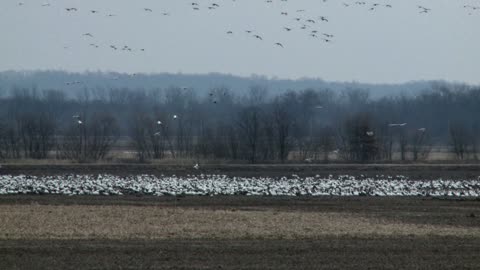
column 397, row 125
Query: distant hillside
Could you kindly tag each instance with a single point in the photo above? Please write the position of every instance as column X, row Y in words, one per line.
column 200, row 82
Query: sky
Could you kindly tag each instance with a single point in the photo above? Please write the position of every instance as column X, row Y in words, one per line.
column 386, row 45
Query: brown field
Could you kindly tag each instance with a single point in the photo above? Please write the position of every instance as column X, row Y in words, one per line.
column 162, row 223
column 58, row 232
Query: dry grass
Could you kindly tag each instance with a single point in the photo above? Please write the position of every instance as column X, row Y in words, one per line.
column 153, row 222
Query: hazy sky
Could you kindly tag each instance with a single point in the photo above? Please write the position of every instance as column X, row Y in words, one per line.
column 390, row 45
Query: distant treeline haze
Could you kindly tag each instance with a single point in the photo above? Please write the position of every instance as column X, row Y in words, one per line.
column 312, row 125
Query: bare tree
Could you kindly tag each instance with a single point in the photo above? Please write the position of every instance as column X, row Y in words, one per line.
column 461, row 139
column 360, row 140
column 249, row 122
column 10, row 144
column 90, row 139
column 326, row 142
column 283, row 121
column 158, row 138
column 233, row 142
column 267, row 137
column 458, row 140
column 385, row 141
column 139, row 135
column 421, row 145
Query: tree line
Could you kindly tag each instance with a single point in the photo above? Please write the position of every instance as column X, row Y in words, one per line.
column 310, row 125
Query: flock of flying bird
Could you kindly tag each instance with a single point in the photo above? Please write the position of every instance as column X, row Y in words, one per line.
column 159, row 123
column 299, row 21
column 308, row 24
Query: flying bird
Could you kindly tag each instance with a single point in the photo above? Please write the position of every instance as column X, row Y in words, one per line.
column 397, row 125
column 423, row 9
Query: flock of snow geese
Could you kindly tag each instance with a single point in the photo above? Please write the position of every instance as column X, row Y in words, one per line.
column 298, row 21
column 210, row 185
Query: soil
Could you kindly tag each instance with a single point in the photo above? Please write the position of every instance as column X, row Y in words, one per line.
column 413, row 171
column 324, row 252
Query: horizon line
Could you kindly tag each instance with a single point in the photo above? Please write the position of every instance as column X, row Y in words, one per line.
column 247, row 77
